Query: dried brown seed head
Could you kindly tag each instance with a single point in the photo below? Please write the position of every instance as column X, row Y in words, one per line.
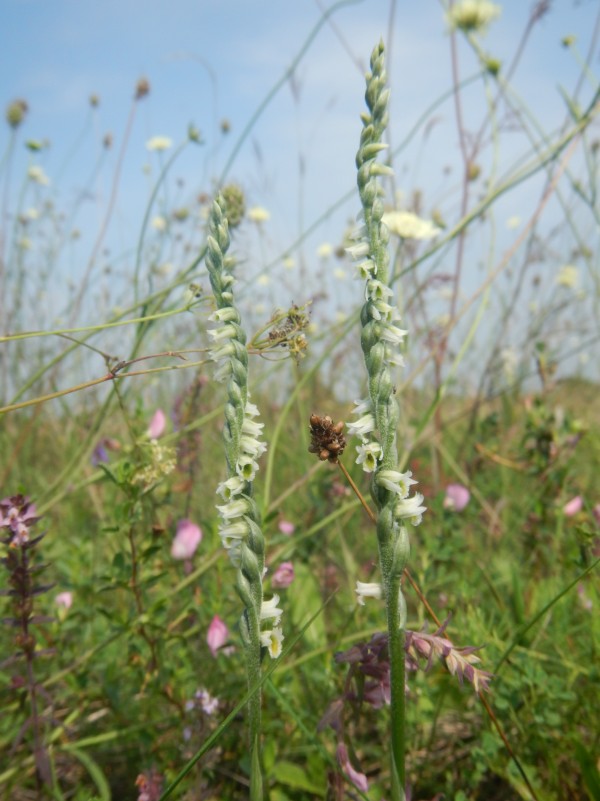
column 327, row 439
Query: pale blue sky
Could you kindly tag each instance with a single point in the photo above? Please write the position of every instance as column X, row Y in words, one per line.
column 212, row 59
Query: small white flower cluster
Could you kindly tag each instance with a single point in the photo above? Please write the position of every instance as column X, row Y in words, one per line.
column 234, row 521
column 222, row 338
column 407, row 225
column 377, row 297
column 369, row 456
column 272, row 638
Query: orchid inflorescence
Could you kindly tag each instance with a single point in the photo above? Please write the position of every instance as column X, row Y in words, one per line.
column 239, row 529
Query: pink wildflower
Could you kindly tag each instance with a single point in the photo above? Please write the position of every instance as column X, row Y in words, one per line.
column 283, row 576
column 157, row 424
column 573, row 507
column 457, row 497
column 186, row 540
column 208, row 703
column 286, row 527
column 596, row 513
column 64, row 600
column 217, row 635
column 585, row 601
column 359, row 780
column 150, row 785
column 17, row 514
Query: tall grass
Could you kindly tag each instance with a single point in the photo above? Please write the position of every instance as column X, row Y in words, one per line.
column 136, row 647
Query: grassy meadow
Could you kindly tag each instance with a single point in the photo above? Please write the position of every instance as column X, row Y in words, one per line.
column 181, row 611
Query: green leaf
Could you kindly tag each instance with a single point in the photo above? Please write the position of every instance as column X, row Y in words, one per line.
column 589, row 771
column 295, row 776
column 304, row 599
column 95, row 773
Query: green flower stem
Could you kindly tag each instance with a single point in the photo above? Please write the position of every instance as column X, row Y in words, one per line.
column 397, row 693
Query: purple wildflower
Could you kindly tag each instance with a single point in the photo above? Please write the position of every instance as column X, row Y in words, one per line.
column 100, row 453
column 17, row 514
column 359, row 780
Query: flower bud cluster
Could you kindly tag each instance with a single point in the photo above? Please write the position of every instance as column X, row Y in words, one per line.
column 17, row 515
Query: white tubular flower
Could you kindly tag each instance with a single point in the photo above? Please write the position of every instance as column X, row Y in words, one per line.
column 269, row 609
column 230, row 488
column 251, row 410
column 223, row 372
column 360, row 233
column 226, row 331
column 231, row 533
column 272, row 641
column 251, row 428
column 234, row 509
column 364, row 425
column 394, row 481
column 222, row 352
column 411, row 508
column 369, row 453
column 379, row 310
column 358, row 251
column 367, row 590
column 393, row 334
column 252, row 446
column 366, row 269
column 393, row 357
column 246, row 467
column 377, row 168
column 234, row 552
column 376, row 290
column 224, row 315
column 362, row 406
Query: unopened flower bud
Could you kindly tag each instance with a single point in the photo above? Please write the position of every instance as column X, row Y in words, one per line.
column 15, row 112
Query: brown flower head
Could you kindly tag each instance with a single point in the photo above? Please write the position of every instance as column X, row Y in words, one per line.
column 326, row 438
column 142, row 88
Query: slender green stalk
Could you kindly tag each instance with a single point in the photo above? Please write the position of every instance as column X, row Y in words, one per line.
column 240, row 529
column 379, row 412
